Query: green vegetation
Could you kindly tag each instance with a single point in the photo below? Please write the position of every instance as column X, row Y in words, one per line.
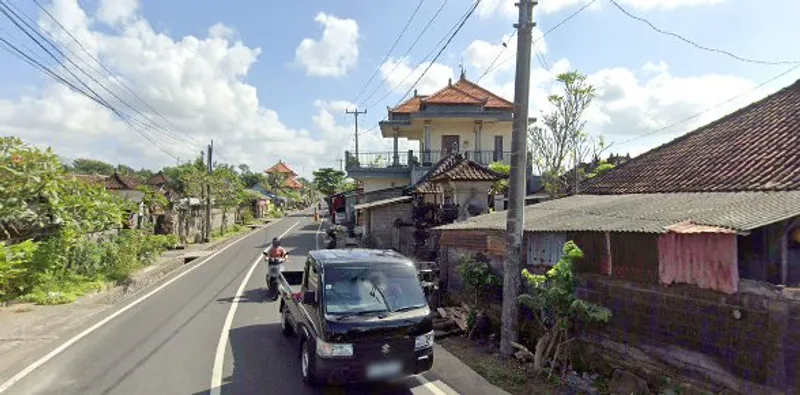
column 225, row 232
column 501, row 186
column 328, row 181
column 76, row 250
column 479, row 280
column 553, row 299
column 275, row 212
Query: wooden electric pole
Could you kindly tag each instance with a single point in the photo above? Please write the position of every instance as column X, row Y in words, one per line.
column 356, row 113
column 512, row 273
column 208, row 192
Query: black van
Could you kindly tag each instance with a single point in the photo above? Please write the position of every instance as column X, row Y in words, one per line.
column 360, row 315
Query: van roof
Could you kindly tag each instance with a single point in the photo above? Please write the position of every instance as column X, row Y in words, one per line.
column 358, row 255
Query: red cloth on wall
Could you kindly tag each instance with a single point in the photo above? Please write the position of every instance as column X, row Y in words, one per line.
column 707, row 260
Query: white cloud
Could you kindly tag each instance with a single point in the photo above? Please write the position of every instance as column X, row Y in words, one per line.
column 333, row 55
column 488, row 8
column 480, row 54
column 196, row 82
column 219, row 30
column 400, row 75
column 117, row 11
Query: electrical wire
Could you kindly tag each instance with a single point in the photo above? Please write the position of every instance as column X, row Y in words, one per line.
column 707, row 110
column 397, row 64
column 16, row 51
column 500, row 52
column 52, row 42
column 435, row 58
column 389, row 52
column 451, row 33
column 696, row 45
column 558, row 25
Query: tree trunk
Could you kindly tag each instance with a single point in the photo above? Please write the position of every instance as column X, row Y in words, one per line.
column 542, row 348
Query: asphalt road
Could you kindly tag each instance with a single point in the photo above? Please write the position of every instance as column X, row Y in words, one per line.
column 175, row 341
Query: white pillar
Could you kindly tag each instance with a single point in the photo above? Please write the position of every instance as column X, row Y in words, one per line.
column 396, row 159
column 426, row 153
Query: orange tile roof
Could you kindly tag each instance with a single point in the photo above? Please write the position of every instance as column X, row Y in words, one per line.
column 409, row 106
column 280, row 167
column 492, row 100
column 292, row 183
column 453, row 95
column 462, row 92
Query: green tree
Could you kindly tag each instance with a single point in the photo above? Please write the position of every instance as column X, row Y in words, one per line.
column 555, row 305
column 563, row 142
column 227, row 190
column 249, row 178
column 328, row 180
column 501, row 186
column 36, row 194
column 90, row 166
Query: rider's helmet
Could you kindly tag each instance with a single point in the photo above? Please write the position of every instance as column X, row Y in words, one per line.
column 276, row 242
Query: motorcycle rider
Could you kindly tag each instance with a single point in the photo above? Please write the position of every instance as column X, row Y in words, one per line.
column 275, row 251
column 275, row 255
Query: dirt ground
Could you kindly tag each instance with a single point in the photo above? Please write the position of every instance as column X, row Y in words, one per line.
column 508, row 374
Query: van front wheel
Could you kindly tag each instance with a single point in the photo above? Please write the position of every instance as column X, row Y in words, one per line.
column 307, row 364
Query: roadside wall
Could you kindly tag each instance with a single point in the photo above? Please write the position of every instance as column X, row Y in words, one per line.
column 747, row 341
column 382, row 230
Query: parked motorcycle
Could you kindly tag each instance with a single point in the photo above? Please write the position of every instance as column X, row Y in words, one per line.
column 275, row 268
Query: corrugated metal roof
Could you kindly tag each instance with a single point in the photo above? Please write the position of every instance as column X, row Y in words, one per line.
column 383, row 202
column 649, row 213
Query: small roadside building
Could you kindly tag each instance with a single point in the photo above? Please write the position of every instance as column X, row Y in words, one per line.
column 694, row 246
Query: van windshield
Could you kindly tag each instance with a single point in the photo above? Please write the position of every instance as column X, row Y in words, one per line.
column 356, row 290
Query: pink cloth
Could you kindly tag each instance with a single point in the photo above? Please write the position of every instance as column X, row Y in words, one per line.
column 707, row 260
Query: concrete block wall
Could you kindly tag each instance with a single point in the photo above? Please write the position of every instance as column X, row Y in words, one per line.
column 382, row 224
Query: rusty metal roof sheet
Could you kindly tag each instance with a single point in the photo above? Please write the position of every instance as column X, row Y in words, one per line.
column 384, row 202
column 648, row 213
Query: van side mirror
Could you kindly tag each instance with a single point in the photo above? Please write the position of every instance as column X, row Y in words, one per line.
column 310, row 298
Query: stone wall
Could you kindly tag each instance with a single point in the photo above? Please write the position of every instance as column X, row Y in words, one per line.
column 746, row 341
column 188, row 224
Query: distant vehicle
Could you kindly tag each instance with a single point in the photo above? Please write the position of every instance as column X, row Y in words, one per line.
column 359, row 315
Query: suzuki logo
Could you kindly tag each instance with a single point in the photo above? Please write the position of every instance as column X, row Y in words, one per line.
column 385, row 349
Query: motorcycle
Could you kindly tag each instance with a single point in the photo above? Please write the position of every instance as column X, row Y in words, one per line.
column 275, row 268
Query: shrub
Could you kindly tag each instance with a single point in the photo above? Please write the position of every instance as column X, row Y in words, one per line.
column 555, row 306
column 247, row 217
column 14, row 274
column 479, row 279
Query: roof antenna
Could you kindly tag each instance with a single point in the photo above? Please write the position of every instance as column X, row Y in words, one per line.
column 463, row 72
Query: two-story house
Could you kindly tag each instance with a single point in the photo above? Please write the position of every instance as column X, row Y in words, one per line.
column 461, row 117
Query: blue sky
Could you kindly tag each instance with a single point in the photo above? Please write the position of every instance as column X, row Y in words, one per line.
column 260, row 102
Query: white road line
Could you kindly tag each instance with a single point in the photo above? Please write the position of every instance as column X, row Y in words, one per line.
column 219, row 357
column 430, row 386
column 58, row 350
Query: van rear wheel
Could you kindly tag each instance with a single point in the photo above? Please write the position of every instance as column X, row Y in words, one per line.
column 286, row 327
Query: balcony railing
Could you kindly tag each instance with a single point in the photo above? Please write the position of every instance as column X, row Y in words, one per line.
column 377, row 160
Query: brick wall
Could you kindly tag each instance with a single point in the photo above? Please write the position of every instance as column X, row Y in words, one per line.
column 747, row 338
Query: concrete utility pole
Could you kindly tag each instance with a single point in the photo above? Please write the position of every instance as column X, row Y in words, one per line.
column 512, row 275
column 356, row 113
column 208, row 192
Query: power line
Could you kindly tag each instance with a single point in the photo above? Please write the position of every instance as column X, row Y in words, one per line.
column 696, row 45
column 5, row 9
column 449, row 40
column 558, row 25
column 397, row 64
column 153, row 125
column 389, row 52
column 119, row 81
column 451, row 33
column 14, row 50
column 500, row 52
column 720, row 104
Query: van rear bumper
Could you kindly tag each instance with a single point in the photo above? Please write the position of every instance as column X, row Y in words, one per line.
column 347, row 371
